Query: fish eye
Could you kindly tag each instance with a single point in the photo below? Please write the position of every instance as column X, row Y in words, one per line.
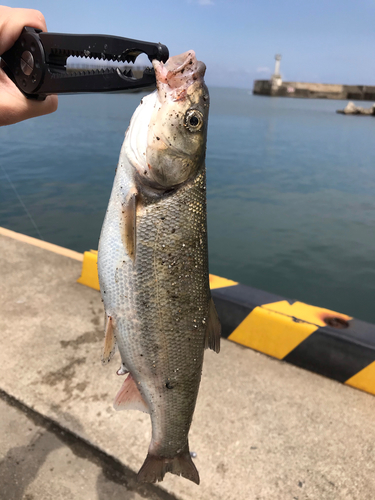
column 194, row 120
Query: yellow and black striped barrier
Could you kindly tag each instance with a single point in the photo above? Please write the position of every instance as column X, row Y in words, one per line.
column 323, row 341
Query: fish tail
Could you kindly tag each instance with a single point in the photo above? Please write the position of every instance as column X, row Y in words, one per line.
column 155, row 468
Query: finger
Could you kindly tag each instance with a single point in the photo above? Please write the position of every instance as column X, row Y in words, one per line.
column 15, row 109
column 12, row 22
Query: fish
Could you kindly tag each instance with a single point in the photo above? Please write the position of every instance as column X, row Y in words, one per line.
column 153, row 264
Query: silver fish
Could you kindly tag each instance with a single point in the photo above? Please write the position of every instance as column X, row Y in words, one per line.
column 153, row 263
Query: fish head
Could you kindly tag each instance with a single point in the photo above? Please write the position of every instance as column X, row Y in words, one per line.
column 176, row 114
column 178, row 130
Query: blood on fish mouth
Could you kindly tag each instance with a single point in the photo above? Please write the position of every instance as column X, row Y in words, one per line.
column 180, row 62
column 179, row 71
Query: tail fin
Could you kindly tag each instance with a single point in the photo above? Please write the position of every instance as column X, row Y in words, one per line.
column 155, row 468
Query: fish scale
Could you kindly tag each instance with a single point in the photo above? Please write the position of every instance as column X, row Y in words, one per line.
column 156, row 317
column 171, row 327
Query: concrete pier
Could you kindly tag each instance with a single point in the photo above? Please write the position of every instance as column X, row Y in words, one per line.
column 314, row 90
column 262, row 428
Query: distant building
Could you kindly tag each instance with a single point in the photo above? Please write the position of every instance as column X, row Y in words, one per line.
column 275, row 87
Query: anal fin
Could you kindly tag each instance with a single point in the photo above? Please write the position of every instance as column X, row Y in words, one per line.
column 129, row 397
column 213, row 329
column 109, row 347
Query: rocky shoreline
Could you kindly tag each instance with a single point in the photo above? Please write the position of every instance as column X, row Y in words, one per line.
column 352, row 109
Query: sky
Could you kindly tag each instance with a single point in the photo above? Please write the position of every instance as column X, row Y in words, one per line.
column 327, row 41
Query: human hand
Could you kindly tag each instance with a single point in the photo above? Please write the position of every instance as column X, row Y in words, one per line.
column 14, row 106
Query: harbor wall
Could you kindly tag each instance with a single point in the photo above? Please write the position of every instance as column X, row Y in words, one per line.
column 326, row 342
column 314, row 90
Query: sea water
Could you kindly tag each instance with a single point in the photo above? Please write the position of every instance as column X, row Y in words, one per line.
column 290, row 187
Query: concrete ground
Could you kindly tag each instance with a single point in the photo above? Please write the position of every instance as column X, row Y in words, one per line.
column 41, row 461
column 262, row 429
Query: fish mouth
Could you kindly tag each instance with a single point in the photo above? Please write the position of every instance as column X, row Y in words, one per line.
column 178, row 73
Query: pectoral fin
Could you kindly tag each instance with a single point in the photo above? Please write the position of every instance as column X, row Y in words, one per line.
column 129, row 210
column 109, row 347
column 213, row 329
column 129, row 397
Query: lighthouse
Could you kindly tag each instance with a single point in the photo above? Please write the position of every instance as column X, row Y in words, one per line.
column 276, row 79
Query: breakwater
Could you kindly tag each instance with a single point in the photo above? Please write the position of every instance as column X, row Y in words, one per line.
column 314, row 90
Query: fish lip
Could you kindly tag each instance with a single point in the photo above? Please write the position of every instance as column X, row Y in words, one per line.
column 178, row 74
column 164, row 71
column 189, row 59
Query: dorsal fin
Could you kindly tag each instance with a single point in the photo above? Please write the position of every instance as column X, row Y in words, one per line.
column 213, row 329
column 129, row 397
column 109, row 347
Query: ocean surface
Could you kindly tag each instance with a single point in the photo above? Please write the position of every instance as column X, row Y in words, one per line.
column 291, row 189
